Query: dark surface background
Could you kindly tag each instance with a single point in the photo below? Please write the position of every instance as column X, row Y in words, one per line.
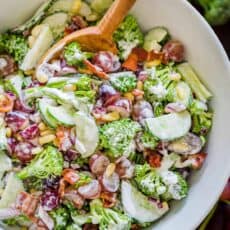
column 223, row 33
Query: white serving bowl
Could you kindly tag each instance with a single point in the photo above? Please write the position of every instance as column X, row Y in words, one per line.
column 208, row 57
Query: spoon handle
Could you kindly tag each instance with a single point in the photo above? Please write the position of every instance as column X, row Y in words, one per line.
column 114, row 16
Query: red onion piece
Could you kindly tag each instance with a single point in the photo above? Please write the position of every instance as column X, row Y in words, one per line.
column 175, row 107
column 23, row 151
column 108, row 94
column 20, row 105
column 44, row 216
column 17, row 120
column 7, row 213
column 30, row 132
column 107, row 61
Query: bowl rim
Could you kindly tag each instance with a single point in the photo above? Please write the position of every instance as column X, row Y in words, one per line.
column 213, row 36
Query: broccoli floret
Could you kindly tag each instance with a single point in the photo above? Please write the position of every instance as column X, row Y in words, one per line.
column 109, row 218
column 47, row 163
column 84, row 179
column 61, row 217
column 148, row 140
column 117, row 137
column 91, row 94
column 84, row 83
column 20, row 220
column 74, row 56
column 149, row 181
column 15, row 45
column 161, row 87
column 80, row 219
column 177, row 187
column 158, row 109
column 217, row 12
column 73, row 227
column 124, row 81
column 86, row 87
column 128, row 36
column 202, row 119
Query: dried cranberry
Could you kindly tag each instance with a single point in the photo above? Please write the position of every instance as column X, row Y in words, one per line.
column 70, row 155
column 52, row 183
column 23, row 151
column 17, row 120
column 30, row 132
column 50, row 200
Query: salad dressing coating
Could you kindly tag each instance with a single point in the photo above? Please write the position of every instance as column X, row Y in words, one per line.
column 96, row 140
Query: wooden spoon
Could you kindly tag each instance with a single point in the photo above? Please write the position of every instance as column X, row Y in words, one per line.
column 98, row 37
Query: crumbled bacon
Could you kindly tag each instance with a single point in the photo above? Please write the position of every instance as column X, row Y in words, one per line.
column 27, row 203
column 7, row 65
column 109, row 199
column 154, row 159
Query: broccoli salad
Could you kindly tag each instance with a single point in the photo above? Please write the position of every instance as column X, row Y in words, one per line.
column 96, row 140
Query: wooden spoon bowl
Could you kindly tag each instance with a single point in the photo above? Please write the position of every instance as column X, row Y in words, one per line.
column 95, row 38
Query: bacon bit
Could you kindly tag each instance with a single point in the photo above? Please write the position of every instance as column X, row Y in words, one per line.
column 96, row 70
column 6, row 103
column 131, row 62
column 7, row 65
column 77, row 23
column 109, row 199
column 70, row 176
column 137, row 92
column 62, row 186
column 140, row 55
column 197, row 160
column 27, row 203
column 154, row 160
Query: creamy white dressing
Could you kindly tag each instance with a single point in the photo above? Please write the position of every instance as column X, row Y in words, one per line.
column 159, row 90
column 169, row 177
column 127, row 47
